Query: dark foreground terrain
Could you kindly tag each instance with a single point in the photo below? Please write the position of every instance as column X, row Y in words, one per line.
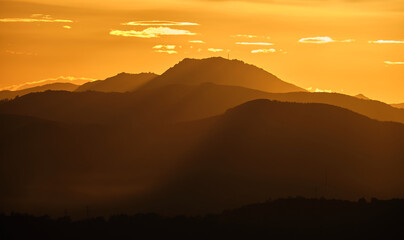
column 292, row 218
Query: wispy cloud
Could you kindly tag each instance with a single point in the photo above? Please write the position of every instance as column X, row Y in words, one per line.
column 249, row 36
column 271, row 50
column 386, row 41
column 67, row 27
column 196, row 41
column 393, row 63
column 75, row 80
column 159, row 23
column 310, row 89
column 20, row 53
column 166, row 51
column 35, row 18
column 244, row 36
column 215, row 50
column 255, row 43
column 164, row 46
column 322, row 40
column 152, row 32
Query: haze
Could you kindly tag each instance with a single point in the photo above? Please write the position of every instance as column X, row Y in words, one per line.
column 343, row 46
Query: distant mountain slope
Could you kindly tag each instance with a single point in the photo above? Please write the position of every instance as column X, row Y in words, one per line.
column 255, row 151
column 196, row 102
column 222, row 71
column 398, row 105
column 173, row 103
column 123, row 82
column 67, row 107
column 52, row 86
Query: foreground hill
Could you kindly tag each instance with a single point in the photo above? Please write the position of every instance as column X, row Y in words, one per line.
column 173, row 103
column 222, row 71
column 264, row 149
column 289, row 218
column 123, row 82
column 258, row 150
column 52, row 86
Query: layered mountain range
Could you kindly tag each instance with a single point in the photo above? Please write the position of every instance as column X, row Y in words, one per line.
column 204, row 136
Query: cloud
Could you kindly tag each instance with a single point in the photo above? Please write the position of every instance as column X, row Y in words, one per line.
column 35, row 18
column 393, row 63
column 386, row 41
column 166, row 51
column 67, row 27
column 250, row 36
column 20, row 53
column 164, row 46
column 159, row 23
column 255, row 43
column 271, row 50
column 75, row 80
column 244, row 36
column 310, row 89
column 322, row 40
column 196, row 41
column 151, row 32
column 215, row 50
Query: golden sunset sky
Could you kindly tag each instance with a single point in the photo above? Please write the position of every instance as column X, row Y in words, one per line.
column 346, row 46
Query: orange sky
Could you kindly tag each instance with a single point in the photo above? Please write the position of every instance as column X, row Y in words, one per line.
column 348, row 46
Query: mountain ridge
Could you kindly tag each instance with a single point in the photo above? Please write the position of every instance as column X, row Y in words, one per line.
column 222, row 71
column 399, row 105
column 122, row 82
column 173, row 103
column 7, row 94
column 202, row 166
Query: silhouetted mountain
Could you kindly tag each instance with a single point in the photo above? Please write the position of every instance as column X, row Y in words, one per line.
column 52, row 86
column 398, row 105
column 264, row 149
column 123, row 82
column 222, row 71
column 257, row 150
column 289, row 218
column 173, row 103
column 361, row 96
column 185, row 103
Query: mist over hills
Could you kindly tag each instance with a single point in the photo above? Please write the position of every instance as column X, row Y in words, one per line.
column 52, row 86
column 172, row 103
column 257, row 150
column 281, row 149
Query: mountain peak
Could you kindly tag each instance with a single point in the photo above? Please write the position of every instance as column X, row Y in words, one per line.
column 222, row 71
column 123, row 74
column 215, row 60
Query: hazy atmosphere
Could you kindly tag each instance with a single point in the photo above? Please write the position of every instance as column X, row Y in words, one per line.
column 345, row 46
column 201, row 119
